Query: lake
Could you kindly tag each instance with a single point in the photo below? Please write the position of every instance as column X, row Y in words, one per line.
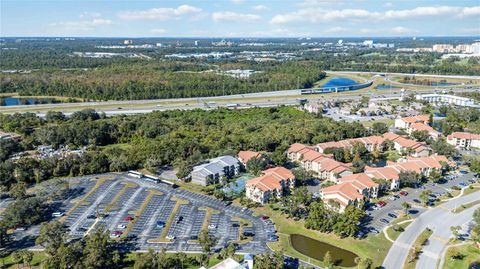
column 15, row 101
column 316, row 250
column 339, row 82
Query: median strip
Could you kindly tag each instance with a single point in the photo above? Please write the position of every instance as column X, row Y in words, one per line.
column 161, row 238
column 100, row 182
column 115, row 199
column 139, row 212
column 416, row 249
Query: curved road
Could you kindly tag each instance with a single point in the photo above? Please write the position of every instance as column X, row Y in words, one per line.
column 439, row 219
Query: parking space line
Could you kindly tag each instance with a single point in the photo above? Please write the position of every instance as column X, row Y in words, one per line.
column 163, row 235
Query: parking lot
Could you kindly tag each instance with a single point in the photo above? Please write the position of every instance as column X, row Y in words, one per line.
column 149, row 215
column 383, row 216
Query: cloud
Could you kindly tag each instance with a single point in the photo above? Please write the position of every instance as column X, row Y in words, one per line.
column 402, row 30
column 336, row 30
column 260, row 8
column 160, row 14
column 237, row 2
column 87, row 14
column 320, row 13
column 158, row 31
column 388, row 4
column 82, row 26
column 228, row 16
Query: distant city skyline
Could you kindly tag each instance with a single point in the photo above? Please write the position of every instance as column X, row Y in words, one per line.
column 240, row 18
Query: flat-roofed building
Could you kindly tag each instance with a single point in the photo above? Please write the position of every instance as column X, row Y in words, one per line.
column 214, row 170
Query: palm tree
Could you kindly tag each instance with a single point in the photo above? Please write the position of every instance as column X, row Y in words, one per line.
column 406, row 206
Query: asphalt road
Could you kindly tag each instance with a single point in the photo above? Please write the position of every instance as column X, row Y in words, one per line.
column 261, row 99
column 439, row 219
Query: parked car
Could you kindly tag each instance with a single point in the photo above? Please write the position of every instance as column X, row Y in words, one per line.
column 91, row 217
column 170, row 237
column 384, row 221
column 391, row 215
column 264, row 217
column 160, row 224
column 193, row 237
column 57, row 214
column 381, row 203
column 403, row 193
column 212, row 226
column 121, row 226
column 129, row 218
column 374, row 231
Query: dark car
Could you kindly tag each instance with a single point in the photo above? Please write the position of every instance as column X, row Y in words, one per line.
column 193, row 237
column 91, row 217
column 248, row 233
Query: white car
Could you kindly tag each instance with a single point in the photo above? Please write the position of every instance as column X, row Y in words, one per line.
column 121, row 226
column 212, row 226
column 170, row 237
column 57, row 214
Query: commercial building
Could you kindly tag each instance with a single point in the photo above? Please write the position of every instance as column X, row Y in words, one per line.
column 446, row 99
column 273, row 182
column 213, row 171
column 464, row 140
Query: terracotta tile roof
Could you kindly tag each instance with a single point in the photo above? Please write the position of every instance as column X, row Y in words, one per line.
column 271, row 178
column 265, row 183
column 405, row 142
column 280, row 172
column 312, row 155
column 361, row 179
column 464, row 135
column 296, row 147
column 349, row 142
column 247, row 155
column 346, row 190
column 419, row 118
column 390, row 136
column 330, row 165
column 387, row 172
column 423, row 127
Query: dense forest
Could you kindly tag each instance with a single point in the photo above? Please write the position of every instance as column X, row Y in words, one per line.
column 178, row 138
column 51, row 69
column 167, row 79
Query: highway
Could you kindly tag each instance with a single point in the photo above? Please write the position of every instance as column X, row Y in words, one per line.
column 260, row 99
column 439, row 219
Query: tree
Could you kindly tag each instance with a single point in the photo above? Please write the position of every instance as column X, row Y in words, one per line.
column 409, row 178
column 425, row 196
column 420, row 136
column 454, row 254
column 207, row 241
column 406, row 206
column 52, row 236
column 256, row 165
column 302, row 175
column 363, row 263
column 27, row 257
column 17, row 258
column 98, row 249
column 18, row 190
column 455, row 231
column 327, row 260
column 379, row 128
column 435, row 176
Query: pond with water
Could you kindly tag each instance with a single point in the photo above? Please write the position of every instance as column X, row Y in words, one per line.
column 316, row 250
column 339, row 82
column 16, row 101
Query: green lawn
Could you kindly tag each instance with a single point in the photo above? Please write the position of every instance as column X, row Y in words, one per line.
column 395, row 234
column 388, row 122
column 470, row 254
column 38, row 257
column 374, row 247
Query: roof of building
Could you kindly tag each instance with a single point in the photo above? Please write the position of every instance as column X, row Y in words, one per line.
column 228, row 263
column 246, row 155
column 464, row 135
column 360, row 180
column 296, row 147
column 346, row 190
column 418, row 118
column 271, row 178
column 215, row 165
column 423, row 127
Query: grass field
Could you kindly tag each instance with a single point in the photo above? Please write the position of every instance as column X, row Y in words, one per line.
column 374, row 247
column 395, row 234
column 470, row 254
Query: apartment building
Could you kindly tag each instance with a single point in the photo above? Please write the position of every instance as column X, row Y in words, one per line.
column 408, row 146
column 349, row 190
column 273, row 182
column 214, row 170
column 245, row 156
column 432, row 133
column 464, row 140
column 404, row 123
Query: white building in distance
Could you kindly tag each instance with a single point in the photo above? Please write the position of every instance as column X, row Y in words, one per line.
column 446, row 99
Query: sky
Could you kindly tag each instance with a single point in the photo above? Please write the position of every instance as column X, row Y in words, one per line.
column 240, row 18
